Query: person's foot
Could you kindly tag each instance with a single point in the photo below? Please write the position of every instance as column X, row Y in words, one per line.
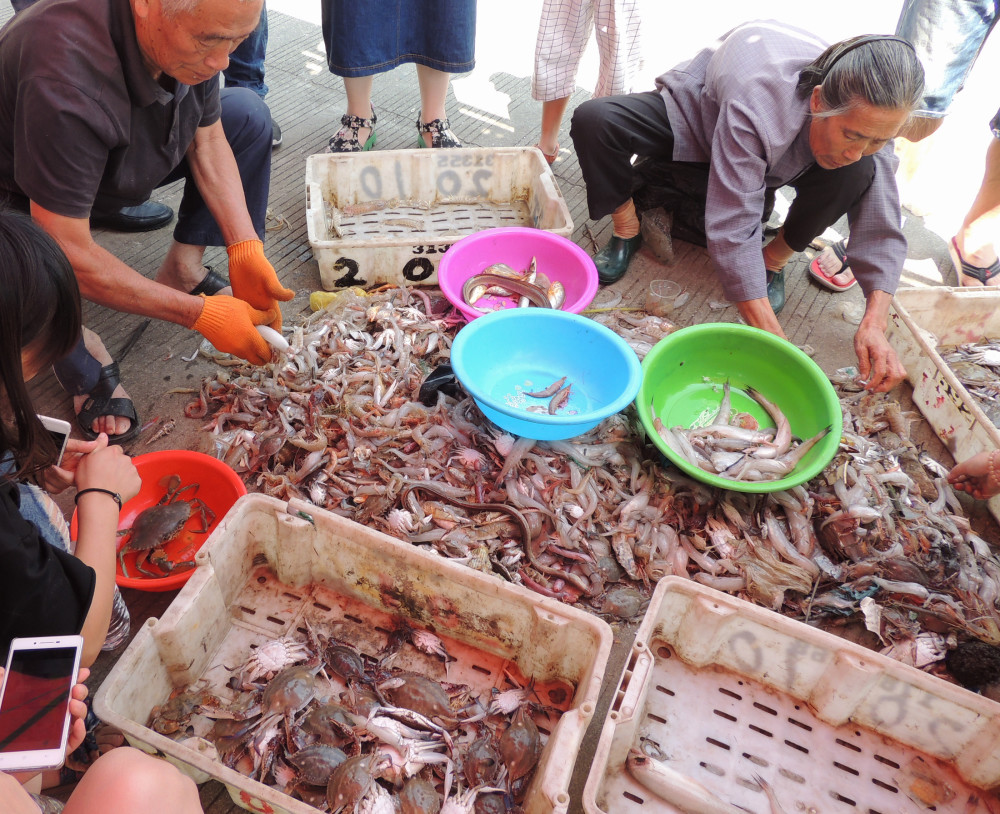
column 776, row 290
column 113, row 425
column 275, row 134
column 975, row 270
column 612, row 261
column 142, row 218
column 549, row 150
column 830, row 268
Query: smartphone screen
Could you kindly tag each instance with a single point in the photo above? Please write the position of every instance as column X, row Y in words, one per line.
column 36, row 698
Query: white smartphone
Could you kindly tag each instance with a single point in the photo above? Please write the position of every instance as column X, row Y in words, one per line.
column 59, row 430
column 34, row 701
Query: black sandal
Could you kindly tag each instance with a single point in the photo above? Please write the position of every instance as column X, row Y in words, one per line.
column 346, row 139
column 100, row 403
column 440, row 134
column 212, row 283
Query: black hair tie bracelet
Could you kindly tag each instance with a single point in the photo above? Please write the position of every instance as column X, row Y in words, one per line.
column 117, row 498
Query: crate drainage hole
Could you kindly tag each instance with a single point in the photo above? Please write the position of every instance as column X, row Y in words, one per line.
column 354, row 619
column 764, row 732
column 794, row 745
column 759, row 761
column 806, row 727
column 664, row 652
column 847, row 769
column 322, row 607
column 886, row 761
column 720, row 744
column 629, row 796
column 853, row 747
column 248, row 611
column 275, row 620
column 480, row 669
column 657, row 718
column 763, row 708
column 725, row 715
column 664, row 690
column 730, row 693
column 711, row 767
column 886, row 786
column 843, row 799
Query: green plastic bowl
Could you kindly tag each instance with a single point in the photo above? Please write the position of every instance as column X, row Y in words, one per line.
column 683, row 375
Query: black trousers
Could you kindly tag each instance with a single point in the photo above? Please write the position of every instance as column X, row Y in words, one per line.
column 609, row 131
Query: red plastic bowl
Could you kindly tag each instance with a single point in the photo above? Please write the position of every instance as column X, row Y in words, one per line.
column 558, row 258
column 219, row 487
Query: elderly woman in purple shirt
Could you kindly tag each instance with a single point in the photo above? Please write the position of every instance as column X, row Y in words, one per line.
column 766, row 106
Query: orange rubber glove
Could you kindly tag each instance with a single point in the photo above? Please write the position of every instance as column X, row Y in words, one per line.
column 231, row 325
column 253, row 279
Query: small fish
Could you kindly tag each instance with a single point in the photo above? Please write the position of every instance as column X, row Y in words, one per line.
column 536, row 295
column 556, row 294
column 551, row 390
column 166, row 429
column 559, row 399
column 675, row 788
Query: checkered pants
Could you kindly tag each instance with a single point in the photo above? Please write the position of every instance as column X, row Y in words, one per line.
column 563, row 34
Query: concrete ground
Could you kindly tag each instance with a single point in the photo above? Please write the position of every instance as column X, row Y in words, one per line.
column 492, row 106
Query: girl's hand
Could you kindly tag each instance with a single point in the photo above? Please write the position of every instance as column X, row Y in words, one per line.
column 56, row 479
column 108, row 467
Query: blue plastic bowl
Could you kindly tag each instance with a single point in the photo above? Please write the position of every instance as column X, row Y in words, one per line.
column 501, row 356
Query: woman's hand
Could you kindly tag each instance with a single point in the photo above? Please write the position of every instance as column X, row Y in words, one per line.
column 56, row 479
column 978, row 475
column 108, row 467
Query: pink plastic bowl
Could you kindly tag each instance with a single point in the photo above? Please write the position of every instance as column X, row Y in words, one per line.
column 558, row 259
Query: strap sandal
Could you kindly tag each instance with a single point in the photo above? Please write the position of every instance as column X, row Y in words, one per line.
column 439, row 132
column 100, row 403
column 549, row 157
column 839, row 251
column 212, row 283
column 347, row 140
column 981, row 273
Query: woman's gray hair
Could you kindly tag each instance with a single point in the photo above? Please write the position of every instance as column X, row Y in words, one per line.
column 171, row 8
column 880, row 71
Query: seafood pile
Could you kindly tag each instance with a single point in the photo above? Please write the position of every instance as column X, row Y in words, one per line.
column 507, row 287
column 977, row 367
column 732, row 445
column 877, row 542
column 348, row 731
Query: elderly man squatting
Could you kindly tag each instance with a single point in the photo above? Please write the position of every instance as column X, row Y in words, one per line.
column 101, row 101
column 769, row 105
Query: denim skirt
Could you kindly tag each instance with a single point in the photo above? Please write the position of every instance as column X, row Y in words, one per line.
column 365, row 37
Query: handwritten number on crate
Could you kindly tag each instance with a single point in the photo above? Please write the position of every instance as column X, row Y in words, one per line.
column 418, row 269
column 351, row 277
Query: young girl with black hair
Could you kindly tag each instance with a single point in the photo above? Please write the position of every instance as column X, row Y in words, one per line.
column 45, row 590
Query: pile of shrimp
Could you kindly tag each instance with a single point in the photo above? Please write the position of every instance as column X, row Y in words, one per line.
column 878, row 538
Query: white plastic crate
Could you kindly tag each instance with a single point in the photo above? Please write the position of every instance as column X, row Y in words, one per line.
column 920, row 321
column 387, row 216
column 270, row 567
column 727, row 690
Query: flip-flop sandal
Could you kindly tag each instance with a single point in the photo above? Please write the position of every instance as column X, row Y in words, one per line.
column 212, row 283
column 100, row 403
column 827, row 280
column 982, row 273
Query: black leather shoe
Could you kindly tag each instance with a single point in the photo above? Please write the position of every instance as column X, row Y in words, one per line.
column 142, row 218
column 776, row 290
column 612, row 261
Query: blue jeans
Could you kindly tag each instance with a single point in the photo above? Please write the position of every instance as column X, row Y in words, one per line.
column 246, row 63
column 247, row 123
column 947, row 36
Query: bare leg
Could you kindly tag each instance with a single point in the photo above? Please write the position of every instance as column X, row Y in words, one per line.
column 126, row 780
column 912, row 148
column 182, row 268
column 359, row 102
column 433, row 90
column 777, row 252
column 975, row 238
column 552, row 115
column 112, row 425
